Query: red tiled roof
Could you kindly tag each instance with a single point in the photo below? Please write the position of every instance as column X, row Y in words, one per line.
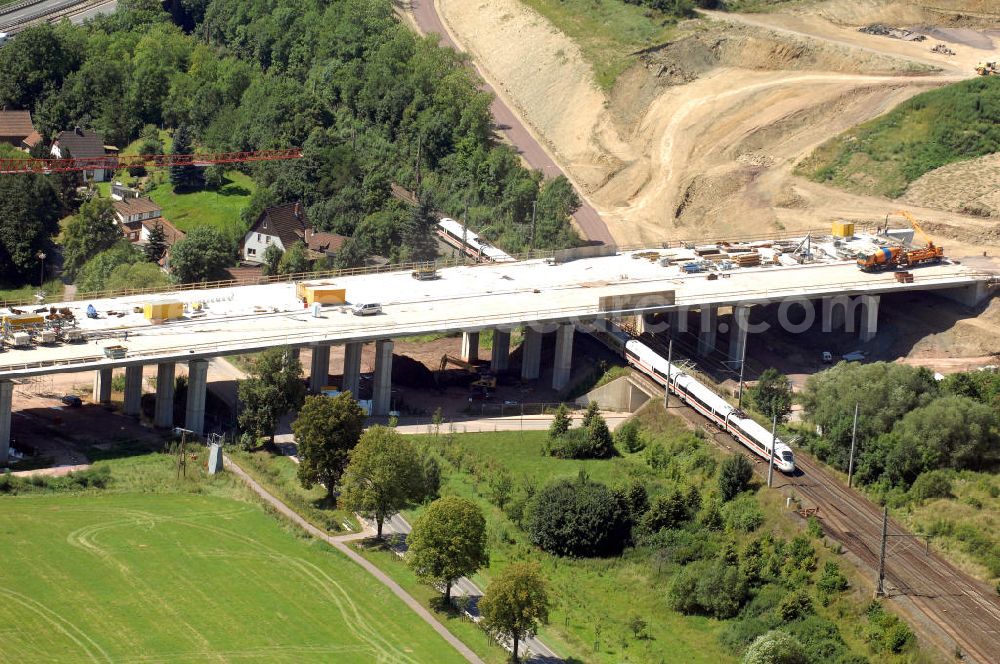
column 324, row 242
column 16, row 124
column 32, row 139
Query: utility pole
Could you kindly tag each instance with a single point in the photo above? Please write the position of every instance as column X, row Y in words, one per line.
column 670, row 359
column 743, row 362
column 465, row 231
column 854, row 436
column 880, row 585
column 770, row 463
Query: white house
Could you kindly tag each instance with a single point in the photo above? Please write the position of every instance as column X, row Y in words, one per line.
column 81, row 144
column 283, row 226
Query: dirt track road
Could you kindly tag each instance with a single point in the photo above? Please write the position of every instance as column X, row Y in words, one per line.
column 591, row 226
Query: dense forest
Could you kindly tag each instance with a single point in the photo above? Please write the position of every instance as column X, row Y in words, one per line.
column 370, row 104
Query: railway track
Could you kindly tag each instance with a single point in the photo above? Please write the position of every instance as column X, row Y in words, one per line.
column 946, row 607
column 18, row 16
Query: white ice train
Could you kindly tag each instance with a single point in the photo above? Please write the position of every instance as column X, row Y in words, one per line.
column 466, row 239
column 711, row 405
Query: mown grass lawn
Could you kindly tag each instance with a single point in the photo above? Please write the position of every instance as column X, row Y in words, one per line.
column 158, row 569
column 219, row 208
column 53, row 290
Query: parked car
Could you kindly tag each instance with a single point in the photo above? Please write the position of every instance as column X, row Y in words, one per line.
column 71, row 400
column 366, row 308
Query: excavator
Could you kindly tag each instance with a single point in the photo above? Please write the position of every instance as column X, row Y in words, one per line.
column 485, row 380
column 988, row 69
column 887, row 258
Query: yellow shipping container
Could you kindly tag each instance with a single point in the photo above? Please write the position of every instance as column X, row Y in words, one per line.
column 22, row 321
column 164, row 310
column 325, row 295
column 843, row 229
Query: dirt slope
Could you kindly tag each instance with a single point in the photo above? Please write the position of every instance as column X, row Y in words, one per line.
column 702, row 134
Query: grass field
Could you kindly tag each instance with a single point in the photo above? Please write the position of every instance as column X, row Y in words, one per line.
column 607, row 31
column 53, row 289
column 933, row 129
column 206, row 208
column 592, row 599
column 155, row 569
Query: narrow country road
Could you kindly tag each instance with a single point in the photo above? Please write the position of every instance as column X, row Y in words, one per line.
column 591, row 225
column 341, row 544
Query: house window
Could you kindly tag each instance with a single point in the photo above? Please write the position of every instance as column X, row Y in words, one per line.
column 258, row 237
column 269, row 239
column 251, row 252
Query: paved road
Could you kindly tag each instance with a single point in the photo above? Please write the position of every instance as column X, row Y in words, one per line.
column 591, row 225
column 341, row 544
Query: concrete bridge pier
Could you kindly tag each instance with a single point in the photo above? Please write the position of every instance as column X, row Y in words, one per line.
column 869, row 317
column 500, row 355
column 102, row 385
column 835, row 314
column 382, row 383
column 531, row 354
column 352, row 368
column 194, row 415
column 563, row 363
column 164, row 413
column 133, row 391
column 737, row 336
column 708, row 330
column 6, row 399
column 470, row 346
column 319, row 368
column 677, row 321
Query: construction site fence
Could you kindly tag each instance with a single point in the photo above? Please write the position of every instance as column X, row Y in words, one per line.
column 393, row 267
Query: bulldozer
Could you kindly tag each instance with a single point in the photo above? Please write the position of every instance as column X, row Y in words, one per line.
column 887, row 258
column 988, row 69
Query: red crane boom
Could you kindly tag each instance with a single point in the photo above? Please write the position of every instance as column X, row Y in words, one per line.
column 117, row 162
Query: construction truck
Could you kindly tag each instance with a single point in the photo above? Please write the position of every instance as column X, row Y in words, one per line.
column 484, row 379
column 988, row 69
column 891, row 257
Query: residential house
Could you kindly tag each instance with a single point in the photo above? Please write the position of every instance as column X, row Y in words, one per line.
column 138, row 216
column 82, row 144
column 16, row 128
column 283, row 226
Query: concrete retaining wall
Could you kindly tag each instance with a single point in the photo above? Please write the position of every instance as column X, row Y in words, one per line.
column 594, row 251
column 620, row 395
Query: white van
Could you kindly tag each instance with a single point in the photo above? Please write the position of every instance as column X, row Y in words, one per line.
column 366, row 308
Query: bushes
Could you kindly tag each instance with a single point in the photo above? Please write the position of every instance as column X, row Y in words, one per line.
column 735, row 474
column 591, row 441
column 885, row 632
column 743, row 514
column 97, row 477
column 669, row 511
column 708, row 588
column 577, row 518
column 627, row 437
column 775, row 647
column 832, row 580
column 933, row 484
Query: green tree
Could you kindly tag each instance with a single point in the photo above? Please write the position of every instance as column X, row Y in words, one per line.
column 274, row 388
column 157, row 245
column 260, row 407
column 667, row 511
column 29, row 215
column 95, row 274
column 951, row 432
column 294, row 260
column 383, row 475
column 598, row 438
column 772, row 395
column 134, row 276
column 203, row 255
column 448, row 541
column 514, row 603
column 187, row 177
column 37, row 62
column 326, row 430
column 735, row 474
column 775, row 647
column 272, row 257
column 560, row 422
column 418, row 237
column 90, row 232
column 577, row 518
column 885, row 391
column 593, row 412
